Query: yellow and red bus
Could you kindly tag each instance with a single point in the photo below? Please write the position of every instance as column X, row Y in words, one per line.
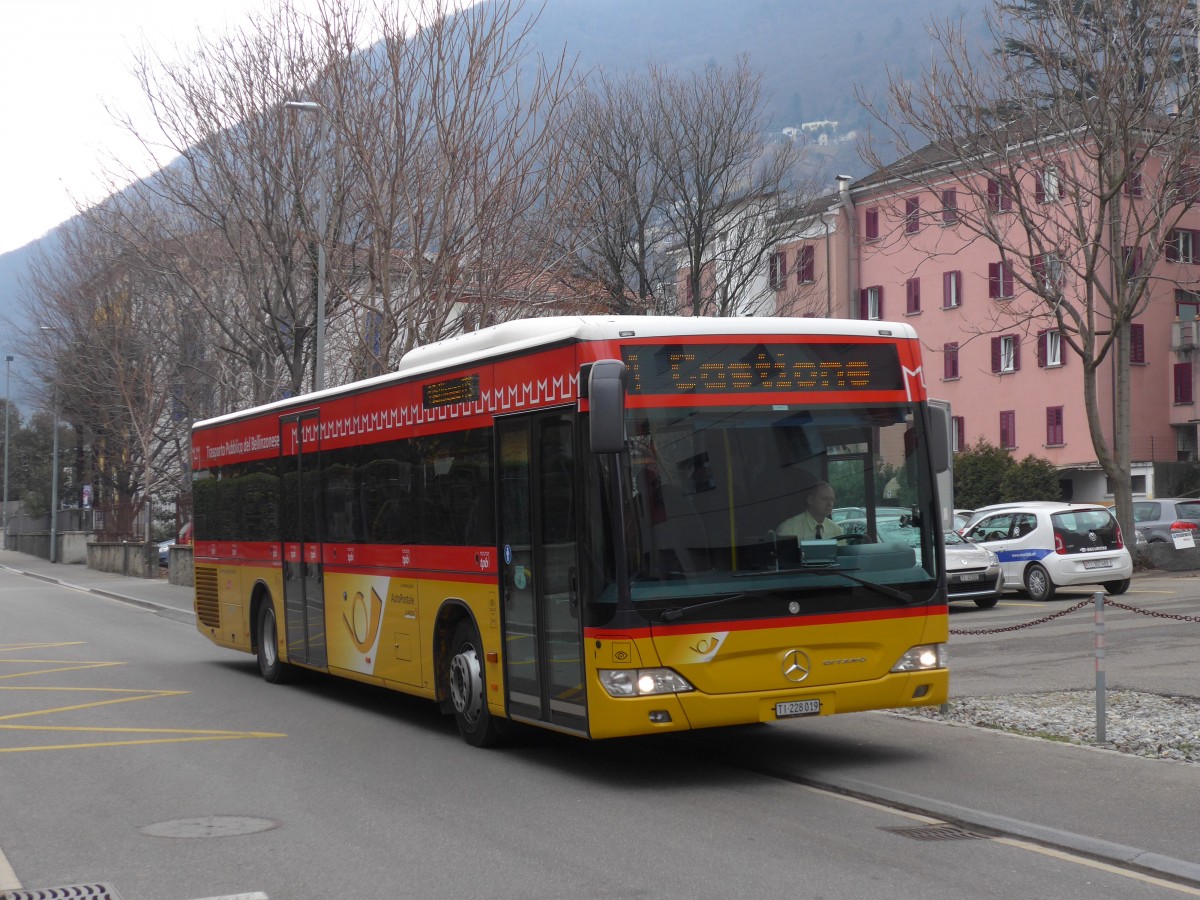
column 576, row 523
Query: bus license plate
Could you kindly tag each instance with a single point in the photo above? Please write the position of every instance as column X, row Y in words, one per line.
column 1097, row 563
column 797, row 708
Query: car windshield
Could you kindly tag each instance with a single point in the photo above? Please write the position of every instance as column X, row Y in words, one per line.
column 716, row 497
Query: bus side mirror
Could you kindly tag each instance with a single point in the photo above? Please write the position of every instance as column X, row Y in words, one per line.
column 939, row 437
column 606, row 406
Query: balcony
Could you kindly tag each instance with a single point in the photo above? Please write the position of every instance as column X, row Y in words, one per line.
column 1185, row 336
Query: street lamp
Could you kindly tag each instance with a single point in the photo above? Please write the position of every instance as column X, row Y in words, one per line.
column 322, row 222
column 54, row 485
column 7, row 395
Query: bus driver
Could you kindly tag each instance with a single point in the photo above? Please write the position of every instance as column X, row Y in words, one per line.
column 815, row 523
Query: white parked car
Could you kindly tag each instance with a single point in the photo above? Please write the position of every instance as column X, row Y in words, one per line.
column 1043, row 546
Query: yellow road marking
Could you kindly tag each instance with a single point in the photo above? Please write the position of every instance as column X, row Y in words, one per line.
column 4, row 648
column 1017, row 843
column 62, row 663
column 122, row 736
column 1096, row 864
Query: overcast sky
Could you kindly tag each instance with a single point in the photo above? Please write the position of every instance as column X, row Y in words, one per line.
column 60, row 61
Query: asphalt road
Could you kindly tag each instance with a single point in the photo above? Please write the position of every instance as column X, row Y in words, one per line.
column 118, row 724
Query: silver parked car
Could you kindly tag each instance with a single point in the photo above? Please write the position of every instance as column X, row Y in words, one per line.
column 972, row 572
column 1157, row 519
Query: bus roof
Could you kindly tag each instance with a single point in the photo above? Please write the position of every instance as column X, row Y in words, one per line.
column 528, row 334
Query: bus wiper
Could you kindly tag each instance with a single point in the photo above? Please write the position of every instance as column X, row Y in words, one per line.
column 670, row 615
column 835, row 570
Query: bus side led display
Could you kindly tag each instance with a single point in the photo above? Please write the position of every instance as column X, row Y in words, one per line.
column 464, row 389
column 712, row 369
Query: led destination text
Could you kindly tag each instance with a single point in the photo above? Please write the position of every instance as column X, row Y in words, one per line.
column 762, row 368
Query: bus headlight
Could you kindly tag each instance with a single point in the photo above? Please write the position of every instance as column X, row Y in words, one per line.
column 643, row 682
column 921, row 658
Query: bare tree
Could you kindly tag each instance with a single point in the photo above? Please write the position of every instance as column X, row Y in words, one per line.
column 1072, row 151
column 105, row 351
column 730, row 195
column 612, row 232
column 234, row 197
column 448, row 131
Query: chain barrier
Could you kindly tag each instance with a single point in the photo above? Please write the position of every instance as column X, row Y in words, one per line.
column 1154, row 614
column 1108, row 601
column 1050, row 618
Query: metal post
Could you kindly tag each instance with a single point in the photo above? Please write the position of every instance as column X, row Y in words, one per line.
column 54, row 486
column 1101, row 736
column 7, row 400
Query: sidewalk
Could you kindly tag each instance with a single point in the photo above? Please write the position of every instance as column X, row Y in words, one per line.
column 1105, row 805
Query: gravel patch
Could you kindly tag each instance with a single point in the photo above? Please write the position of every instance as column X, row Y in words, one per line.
column 1144, row 724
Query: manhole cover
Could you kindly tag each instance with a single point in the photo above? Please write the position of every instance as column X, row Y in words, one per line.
column 209, row 826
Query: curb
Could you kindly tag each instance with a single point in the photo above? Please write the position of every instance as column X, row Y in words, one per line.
column 148, row 605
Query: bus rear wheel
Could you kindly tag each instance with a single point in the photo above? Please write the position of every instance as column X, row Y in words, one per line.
column 273, row 669
column 465, row 681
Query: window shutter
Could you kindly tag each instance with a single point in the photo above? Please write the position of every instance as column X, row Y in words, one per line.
column 949, row 206
column 1183, row 382
column 994, row 280
column 996, row 356
column 947, row 290
column 1042, row 349
column 1137, row 343
column 805, row 264
column 872, row 224
column 993, row 194
column 1039, row 187
column 912, row 295
column 950, row 361
column 912, row 215
column 1006, row 280
column 863, row 304
column 881, row 315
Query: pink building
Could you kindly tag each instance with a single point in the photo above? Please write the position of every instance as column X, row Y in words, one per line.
column 883, row 248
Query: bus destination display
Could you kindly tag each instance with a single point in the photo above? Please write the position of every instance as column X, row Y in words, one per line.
column 464, row 389
column 714, row 369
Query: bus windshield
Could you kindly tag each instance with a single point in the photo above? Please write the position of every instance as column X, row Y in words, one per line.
column 828, row 507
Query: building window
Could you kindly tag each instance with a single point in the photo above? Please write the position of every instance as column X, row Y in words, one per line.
column 1054, row 426
column 870, row 303
column 1187, row 184
column 1049, row 349
column 949, row 206
column 1008, row 429
column 1000, row 281
column 1047, row 188
column 1182, row 244
column 999, row 196
column 1187, row 305
column 1183, row 382
column 805, row 265
column 912, row 296
column 1048, row 272
column 871, row 230
column 950, row 361
column 1137, row 342
column 1132, row 258
column 1133, row 183
column 951, row 290
column 1006, row 354
column 912, row 215
column 778, row 269
column 958, row 431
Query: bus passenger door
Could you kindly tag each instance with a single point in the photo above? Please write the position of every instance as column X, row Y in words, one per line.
column 300, row 519
column 543, row 638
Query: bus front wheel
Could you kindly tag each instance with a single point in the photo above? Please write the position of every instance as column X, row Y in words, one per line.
column 465, row 677
column 273, row 669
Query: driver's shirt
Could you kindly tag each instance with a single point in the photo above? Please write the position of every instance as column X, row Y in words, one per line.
column 804, row 527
